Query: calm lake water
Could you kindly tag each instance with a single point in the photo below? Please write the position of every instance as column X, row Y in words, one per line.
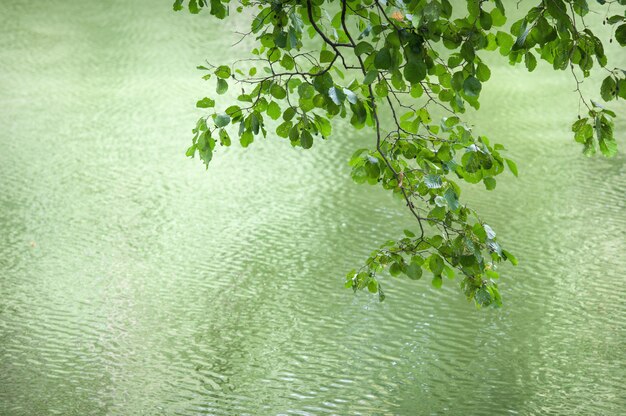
column 133, row 282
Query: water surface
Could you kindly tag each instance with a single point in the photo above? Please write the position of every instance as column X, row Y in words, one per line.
column 134, row 282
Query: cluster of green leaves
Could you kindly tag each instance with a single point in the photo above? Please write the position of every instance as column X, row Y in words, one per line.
column 439, row 256
column 385, row 66
column 552, row 31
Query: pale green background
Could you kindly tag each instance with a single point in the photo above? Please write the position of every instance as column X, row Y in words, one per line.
column 134, row 282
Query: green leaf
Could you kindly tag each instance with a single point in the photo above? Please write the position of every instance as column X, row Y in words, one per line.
column 440, row 201
column 479, row 231
column 205, row 103
column 620, row 35
column 436, row 240
column 621, row 88
column 512, row 166
column 254, row 122
column 273, row 110
column 450, row 122
column 583, row 134
column 287, row 62
column 277, row 91
column 490, row 183
column 435, row 263
column 205, row 146
column 289, row 113
column 451, row 199
column 415, row 71
column 497, row 17
column 218, row 10
column 363, row 47
column 193, row 7
column 505, row 42
column 323, row 82
column 283, row 129
column 483, row 73
column 608, row 90
column 431, row 11
column 417, row 91
column 222, row 86
column 579, row 124
column 206, row 155
column 324, row 126
column 608, row 147
column 306, row 91
column 437, row 281
column 472, row 86
column 222, row 120
column 395, row 269
column 381, row 89
column 370, row 77
column 234, row 111
column 603, row 128
column 223, row 72
column 246, row 138
column 530, row 61
column 350, row 96
column 372, row 286
column 433, row 181
column 336, row 95
column 414, row 271
column 224, row 138
column 485, row 20
column 510, row 257
column 449, row 272
column 326, row 56
column 491, row 234
column 191, row 151
column 358, row 174
column 306, row 139
column 483, row 297
column 382, row 59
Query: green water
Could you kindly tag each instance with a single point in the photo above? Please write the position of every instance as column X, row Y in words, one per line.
column 134, row 282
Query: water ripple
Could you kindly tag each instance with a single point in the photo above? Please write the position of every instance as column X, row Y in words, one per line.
column 133, row 282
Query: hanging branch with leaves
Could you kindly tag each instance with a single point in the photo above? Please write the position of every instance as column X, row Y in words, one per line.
column 387, row 66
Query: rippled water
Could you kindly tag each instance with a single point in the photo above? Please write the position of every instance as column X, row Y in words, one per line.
column 134, row 282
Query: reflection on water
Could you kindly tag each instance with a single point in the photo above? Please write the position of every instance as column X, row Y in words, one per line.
column 134, row 282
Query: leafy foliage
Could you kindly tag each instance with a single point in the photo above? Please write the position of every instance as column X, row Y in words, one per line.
column 406, row 58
